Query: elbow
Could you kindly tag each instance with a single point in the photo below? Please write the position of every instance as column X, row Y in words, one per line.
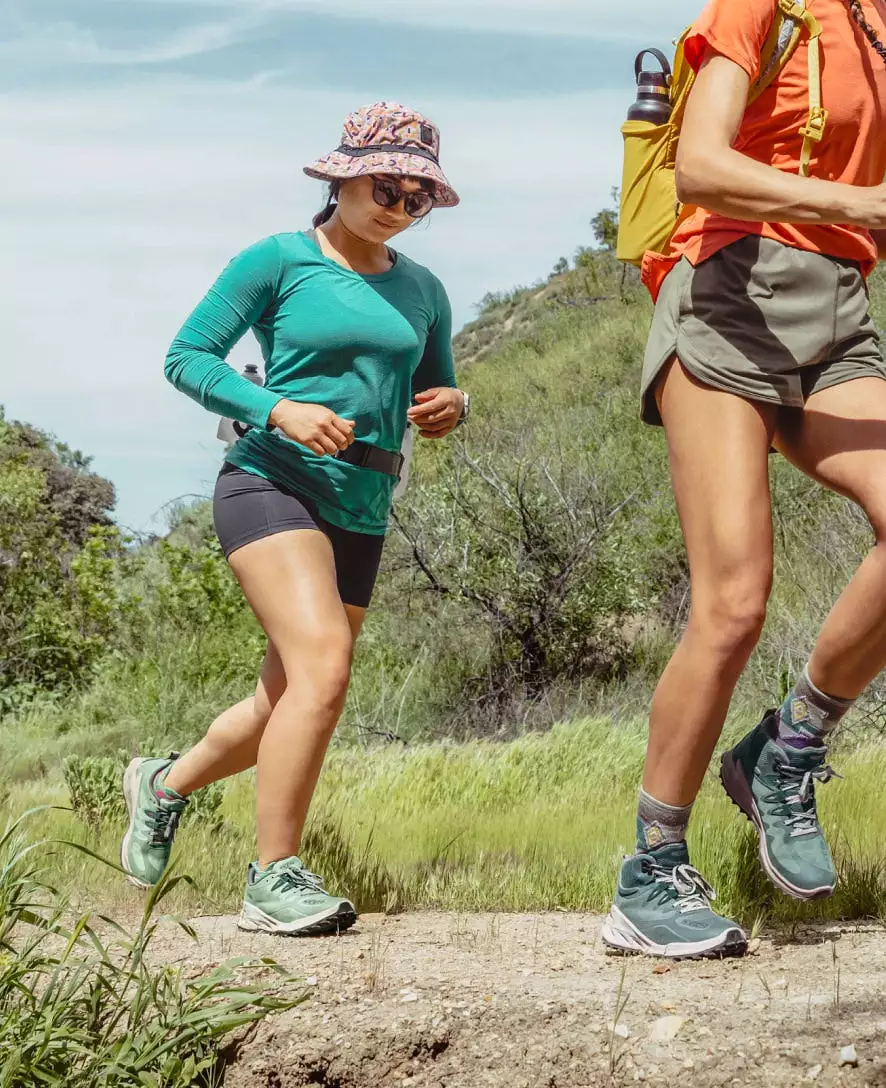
column 695, row 177
column 172, row 366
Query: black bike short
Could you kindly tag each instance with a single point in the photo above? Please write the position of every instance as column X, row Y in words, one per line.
column 247, row 507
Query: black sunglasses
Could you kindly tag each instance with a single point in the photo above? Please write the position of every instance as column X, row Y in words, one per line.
column 388, row 194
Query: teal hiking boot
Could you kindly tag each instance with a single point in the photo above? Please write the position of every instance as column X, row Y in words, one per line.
column 154, row 814
column 662, row 908
column 285, row 898
column 775, row 788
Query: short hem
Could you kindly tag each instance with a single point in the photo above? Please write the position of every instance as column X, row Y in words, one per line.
column 874, row 371
column 270, row 530
column 650, row 414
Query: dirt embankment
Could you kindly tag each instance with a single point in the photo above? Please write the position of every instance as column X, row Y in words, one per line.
column 532, row 1001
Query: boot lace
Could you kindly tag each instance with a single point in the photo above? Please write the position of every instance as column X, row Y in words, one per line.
column 796, row 788
column 300, row 880
column 692, row 890
column 163, row 823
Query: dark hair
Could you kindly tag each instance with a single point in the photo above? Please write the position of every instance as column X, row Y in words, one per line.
column 326, row 213
column 872, row 36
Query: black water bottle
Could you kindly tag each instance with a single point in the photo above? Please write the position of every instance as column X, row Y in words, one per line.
column 653, row 102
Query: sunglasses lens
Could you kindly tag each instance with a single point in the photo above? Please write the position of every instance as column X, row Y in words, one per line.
column 386, row 193
column 418, row 204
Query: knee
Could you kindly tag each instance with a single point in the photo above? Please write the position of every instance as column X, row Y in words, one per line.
column 876, row 515
column 321, row 679
column 732, row 614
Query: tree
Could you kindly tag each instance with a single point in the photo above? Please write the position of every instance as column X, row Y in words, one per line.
column 56, row 564
column 605, row 225
column 79, row 497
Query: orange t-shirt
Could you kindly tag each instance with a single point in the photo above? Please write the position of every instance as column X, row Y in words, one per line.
column 853, row 92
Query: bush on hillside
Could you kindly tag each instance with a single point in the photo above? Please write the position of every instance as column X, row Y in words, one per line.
column 79, row 498
column 532, row 544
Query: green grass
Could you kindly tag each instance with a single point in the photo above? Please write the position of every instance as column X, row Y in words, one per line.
column 535, row 824
column 82, row 1002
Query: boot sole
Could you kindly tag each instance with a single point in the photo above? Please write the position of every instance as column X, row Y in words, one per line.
column 337, row 920
column 621, row 935
column 739, row 793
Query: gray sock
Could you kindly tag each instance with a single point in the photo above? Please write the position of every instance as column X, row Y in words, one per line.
column 808, row 716
column 659, row 824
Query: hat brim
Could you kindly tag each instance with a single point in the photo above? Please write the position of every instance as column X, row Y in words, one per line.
column 337, row 166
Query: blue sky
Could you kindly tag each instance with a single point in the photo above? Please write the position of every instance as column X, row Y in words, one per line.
column 145, row 142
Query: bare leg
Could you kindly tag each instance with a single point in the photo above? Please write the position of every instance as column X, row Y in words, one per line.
column 289, row 581
column 718, row 447
column 232, row 741
column 839, row 439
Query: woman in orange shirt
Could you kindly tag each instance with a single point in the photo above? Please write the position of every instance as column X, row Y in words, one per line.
column 762, row 338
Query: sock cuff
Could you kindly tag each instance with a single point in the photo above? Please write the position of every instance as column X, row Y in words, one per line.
column 823, row 696
column 662, row 811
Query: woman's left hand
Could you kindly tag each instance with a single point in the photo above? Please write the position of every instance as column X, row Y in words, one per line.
column 437, row 412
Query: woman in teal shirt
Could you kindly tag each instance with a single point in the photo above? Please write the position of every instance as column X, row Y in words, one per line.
column 356, row 339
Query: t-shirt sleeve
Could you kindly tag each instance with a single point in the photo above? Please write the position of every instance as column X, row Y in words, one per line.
column 436, row 367
column 196, row 361
column 737, row 29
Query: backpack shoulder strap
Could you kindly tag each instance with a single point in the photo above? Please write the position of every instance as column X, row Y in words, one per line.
column 792, row 20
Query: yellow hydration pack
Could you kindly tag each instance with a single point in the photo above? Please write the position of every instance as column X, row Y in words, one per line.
column 650, row 210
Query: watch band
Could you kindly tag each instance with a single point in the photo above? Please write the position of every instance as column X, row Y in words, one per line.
column 466, row 408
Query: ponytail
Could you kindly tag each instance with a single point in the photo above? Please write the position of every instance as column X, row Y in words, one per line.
column 325, row 214
column 872, row 36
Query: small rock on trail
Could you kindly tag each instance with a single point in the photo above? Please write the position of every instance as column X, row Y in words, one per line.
column 528, row 1001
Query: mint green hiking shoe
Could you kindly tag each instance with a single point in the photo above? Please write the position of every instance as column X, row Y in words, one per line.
column 285, row 898
column 775, row 788
column 154, row 814
column 662, row 908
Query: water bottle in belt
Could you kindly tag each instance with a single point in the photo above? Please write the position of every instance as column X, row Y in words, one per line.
column 232, row 430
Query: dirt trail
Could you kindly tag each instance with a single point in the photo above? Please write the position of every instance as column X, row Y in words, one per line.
column 528, row 1001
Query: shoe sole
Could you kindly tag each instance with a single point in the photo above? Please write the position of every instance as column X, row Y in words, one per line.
column 621, row 934
column 130, row 795
column 254, row 920
column 739, row 793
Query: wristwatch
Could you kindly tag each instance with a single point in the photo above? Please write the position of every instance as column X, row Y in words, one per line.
column 466, row 410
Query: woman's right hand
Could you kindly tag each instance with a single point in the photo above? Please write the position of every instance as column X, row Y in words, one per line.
column 313, row 426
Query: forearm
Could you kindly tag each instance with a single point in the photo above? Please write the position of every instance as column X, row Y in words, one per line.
column 729, row 183
column 210, row 381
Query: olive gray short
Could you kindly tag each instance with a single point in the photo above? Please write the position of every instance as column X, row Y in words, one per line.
column 765, row 321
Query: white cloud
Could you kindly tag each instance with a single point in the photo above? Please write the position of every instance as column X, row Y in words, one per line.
column 600, row 19
column 75, row 44
column 586, row 18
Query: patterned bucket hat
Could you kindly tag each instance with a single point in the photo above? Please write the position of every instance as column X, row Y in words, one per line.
column 387, row 138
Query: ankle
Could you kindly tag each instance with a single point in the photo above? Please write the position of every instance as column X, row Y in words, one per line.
column 168, row 780
column 808, row 716
column 660, row 824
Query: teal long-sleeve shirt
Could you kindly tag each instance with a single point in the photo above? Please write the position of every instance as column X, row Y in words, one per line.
column 359, row 345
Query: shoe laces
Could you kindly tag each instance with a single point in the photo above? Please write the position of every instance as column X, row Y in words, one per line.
column 164, row 823
column 692, row 890
column 802, row 786
column 300, row 880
